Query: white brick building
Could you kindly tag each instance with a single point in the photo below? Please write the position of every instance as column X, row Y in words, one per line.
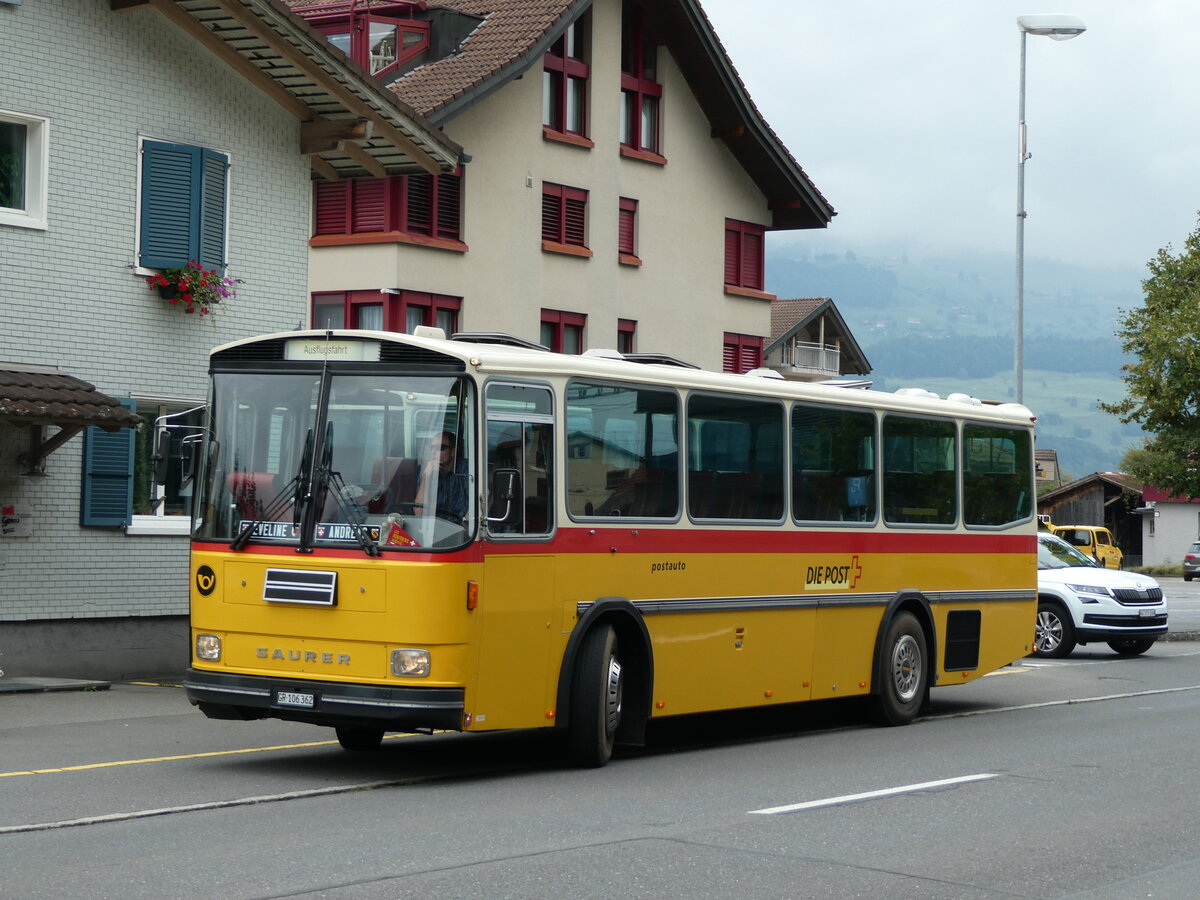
column 87, row 87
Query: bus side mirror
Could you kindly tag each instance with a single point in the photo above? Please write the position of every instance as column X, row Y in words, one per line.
column 162, row 455
column 189, row 454
column 505, row 488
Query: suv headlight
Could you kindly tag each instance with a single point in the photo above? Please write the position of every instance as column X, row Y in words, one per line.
column 1093, row 589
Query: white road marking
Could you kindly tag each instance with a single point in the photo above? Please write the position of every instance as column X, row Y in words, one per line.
column 870, row 795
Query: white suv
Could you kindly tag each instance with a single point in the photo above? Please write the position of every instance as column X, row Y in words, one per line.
column 1079, row 602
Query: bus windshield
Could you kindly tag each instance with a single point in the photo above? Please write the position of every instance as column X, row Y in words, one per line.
column 379, row 462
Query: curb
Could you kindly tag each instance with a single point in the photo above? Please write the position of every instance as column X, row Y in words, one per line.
column 30, row 685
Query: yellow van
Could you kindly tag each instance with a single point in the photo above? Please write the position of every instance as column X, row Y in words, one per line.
column 1095, row 542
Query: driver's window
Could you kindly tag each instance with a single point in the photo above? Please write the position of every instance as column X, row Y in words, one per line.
column 520, row 432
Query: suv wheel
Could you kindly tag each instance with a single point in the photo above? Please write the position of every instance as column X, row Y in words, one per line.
column 1054, row 636
column 1132, row 646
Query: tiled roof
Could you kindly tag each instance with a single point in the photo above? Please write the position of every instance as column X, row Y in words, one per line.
column 40, row 395
column 786, row 313
column 510, row 30
column 508, row 33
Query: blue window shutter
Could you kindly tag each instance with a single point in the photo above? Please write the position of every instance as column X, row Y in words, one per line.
column 170, row 206
column 214, row 180
column 184, row 194
column 107, row 475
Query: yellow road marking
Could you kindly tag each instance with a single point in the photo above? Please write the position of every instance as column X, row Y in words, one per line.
column 158, row 759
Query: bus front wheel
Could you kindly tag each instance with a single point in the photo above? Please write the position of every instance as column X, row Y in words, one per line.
column 904, row 672
column 358, row 739
column 597, row 693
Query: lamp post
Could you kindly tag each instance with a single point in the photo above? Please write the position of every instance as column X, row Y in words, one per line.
column 1057, row 28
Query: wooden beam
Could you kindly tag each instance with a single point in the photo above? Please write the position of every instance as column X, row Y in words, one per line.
column 322, row 168
column 364, row 159
column 236, row 61
column 348, row 99
column 40, row 448
column 728, row 132
column 323, row 135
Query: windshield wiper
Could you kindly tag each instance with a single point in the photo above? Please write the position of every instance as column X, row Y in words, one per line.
column 270, row 512
column 294, row 492
column 325, row 480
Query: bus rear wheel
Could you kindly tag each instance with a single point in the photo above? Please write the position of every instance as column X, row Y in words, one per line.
column 597, row 694
column 359, row 739
column 904, row 672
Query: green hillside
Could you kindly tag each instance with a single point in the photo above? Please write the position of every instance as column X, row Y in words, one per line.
column 947, row 325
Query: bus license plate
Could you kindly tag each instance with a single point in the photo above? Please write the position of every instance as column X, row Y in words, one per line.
column 295, row 698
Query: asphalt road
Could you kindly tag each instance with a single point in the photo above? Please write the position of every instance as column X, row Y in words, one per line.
column 1060, row 778
column 1183, row 605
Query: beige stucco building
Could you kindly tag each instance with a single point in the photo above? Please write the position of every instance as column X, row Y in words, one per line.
column 666, row 171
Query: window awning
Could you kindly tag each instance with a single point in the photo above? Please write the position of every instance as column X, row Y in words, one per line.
column 35, row 396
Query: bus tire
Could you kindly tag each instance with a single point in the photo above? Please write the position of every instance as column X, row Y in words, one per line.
column 903, row 670
column 359, row 739
column 597, row 694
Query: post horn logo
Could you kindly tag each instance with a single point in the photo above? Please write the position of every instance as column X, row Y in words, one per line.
column 206, row 581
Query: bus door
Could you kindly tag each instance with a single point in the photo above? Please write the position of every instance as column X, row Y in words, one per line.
column 520, row 625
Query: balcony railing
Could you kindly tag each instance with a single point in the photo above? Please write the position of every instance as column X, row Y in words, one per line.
column 804, row 358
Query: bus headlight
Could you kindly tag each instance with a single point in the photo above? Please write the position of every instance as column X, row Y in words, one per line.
column 208, row 646
column 410, row 663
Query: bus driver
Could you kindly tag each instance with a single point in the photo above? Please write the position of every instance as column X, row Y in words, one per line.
column 446, row 467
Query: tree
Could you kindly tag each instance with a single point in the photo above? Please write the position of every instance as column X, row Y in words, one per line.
column 1163, row 385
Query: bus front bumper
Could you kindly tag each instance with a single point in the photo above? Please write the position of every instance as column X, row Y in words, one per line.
column 227, row 696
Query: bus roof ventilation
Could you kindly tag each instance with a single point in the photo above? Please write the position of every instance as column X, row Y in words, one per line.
column 407, row 354
column 659, row 359
column 496, row 337
column 255, row 351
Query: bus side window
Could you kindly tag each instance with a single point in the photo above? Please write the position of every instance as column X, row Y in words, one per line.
column 520, row 430
column 624, row 458
column 918, row 470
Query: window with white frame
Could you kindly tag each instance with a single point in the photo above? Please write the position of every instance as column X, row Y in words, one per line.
column 24, row 170
column 164, row 508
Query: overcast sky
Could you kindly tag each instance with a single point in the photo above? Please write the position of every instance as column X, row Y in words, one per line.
column 904, row 114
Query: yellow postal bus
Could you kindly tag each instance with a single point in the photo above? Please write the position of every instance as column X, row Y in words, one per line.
column 409, row 533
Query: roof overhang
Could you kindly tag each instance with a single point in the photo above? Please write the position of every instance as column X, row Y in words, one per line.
column 350, row 127
column 38, row 396
column 793, row 199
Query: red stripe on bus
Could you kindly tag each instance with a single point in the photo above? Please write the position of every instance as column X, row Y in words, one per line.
column 688, row 540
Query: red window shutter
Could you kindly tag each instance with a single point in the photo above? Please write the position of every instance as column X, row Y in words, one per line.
column 552, row 215
column 420, row 204
column 741, row 353
column 369, row 208
column 564, row 214
column 733, row 266
column 752, row 260
column 332, row 199
column 751, row 355
column 575, row 221
column 449, row 206
column 626, row 224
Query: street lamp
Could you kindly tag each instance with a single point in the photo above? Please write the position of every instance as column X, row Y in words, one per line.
column 1057, row 28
